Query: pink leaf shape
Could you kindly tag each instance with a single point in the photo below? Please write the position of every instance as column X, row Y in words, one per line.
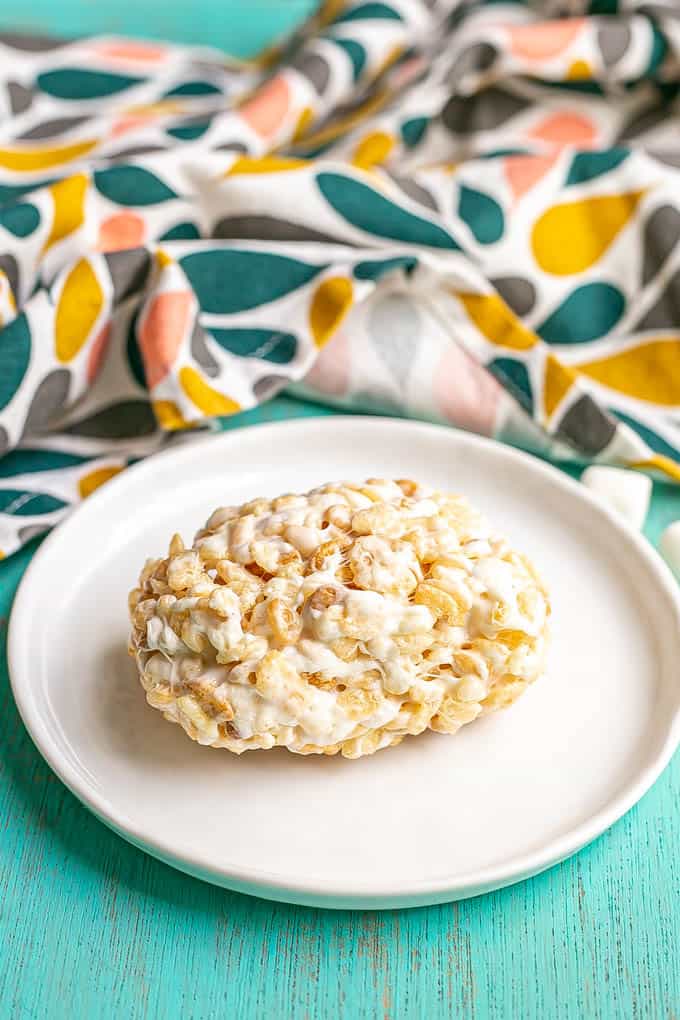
column 129, row 49
column 98, row 352
column 522, row 172
column 125, row 124
column 545, row 39
column 465, row 393
column 566, row 128
column 265, row 111
column 330, row 372
column 123, row 230
column 162, row 331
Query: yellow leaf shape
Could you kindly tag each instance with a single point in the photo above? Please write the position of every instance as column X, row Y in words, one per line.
column 265, row 165
column 580, row 70
column 497, row 322
column 9, row 295
column 650, row 371
column 343, row 124
column 392, row 56
column 373, row 149
column 25, row 160
column 557, row 382
column 2, row 555
column 160, row 109
column 169, row 416
column 659, row 463
column 163, row 259
column 569, row 238
column 68, row 199
column 80, row 304
column 329, row 10
column 88, row 483
column 208, row 400
column 304, row 120
column 330, row 304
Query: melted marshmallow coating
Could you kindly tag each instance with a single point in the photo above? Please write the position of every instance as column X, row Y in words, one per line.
column 337, row 621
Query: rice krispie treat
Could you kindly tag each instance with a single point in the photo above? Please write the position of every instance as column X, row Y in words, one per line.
column 337, row 621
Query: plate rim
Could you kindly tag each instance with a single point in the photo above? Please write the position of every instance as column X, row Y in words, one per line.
column 298, row 889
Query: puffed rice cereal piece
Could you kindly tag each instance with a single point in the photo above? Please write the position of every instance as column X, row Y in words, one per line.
column 339, row 621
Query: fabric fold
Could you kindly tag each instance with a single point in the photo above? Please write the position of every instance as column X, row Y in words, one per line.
column 464, row 212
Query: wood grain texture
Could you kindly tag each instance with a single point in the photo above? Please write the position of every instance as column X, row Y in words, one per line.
column 92, row 928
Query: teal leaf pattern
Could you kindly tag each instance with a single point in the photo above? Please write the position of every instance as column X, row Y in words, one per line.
column 20, row 219
column 369, row 11
column 15, row 354
column 587, row 313
column 356, row 54
column 514, row 376
column 267, row 344
column 19, row 503
column 27, row 461
column 132, row 186
column 227, row 280
column 161, row 127
column 482, row 214
column 79, row 83
column 193, row 88
column 412, row 131
column 367, row 210
column 585, row 166
column 377, row 268
column 134, row 355
column 182, row 232
column 187, row 132
column 656, row 442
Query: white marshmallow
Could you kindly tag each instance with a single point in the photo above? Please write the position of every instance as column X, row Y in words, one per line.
column 669, row 546
column 627, row 492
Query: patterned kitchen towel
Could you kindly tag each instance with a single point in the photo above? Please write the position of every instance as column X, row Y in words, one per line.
column 459, row 210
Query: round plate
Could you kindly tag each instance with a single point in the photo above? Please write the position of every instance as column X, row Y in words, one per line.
column 437, row 818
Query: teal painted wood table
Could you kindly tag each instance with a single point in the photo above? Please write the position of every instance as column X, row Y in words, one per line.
column 93, row 929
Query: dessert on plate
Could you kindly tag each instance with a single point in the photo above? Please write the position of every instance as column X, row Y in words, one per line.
column 339, row 621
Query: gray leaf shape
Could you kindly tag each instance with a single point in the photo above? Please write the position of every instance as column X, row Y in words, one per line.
column 394, row 325
column 199, row 350
column 669, row 157
column 614, row 37
column 4, row 440
column 49, row 398
column 124, row 420
column 269, row 385
column 665, row 312
column 314, row 67
column 32, row 531
column 50, row 128
column 644, row 121
column 587, row 427
column 662, row 231
column 135, row 150
column 129, row 271
column 415, row 191
column 464, row 115
column 268, row 228
column 10, row 267
column 660, row 10
column 518, row 293
column 231, row 147
column 20, row 97
column 479, row 57
column 32, row 43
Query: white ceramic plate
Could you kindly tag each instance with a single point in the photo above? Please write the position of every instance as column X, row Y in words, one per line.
column 437, row 818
